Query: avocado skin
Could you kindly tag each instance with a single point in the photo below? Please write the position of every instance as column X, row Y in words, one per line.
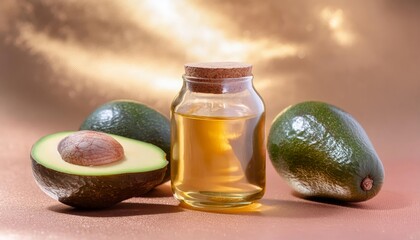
column 323, row 152
column 94, row 192
column 134, row 120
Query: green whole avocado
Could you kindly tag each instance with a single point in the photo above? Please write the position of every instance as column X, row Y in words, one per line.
column 134, row 120
column 96, row 187
column 324, row 153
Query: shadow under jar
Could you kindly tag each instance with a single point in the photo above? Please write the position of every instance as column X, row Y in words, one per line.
column 217, row 137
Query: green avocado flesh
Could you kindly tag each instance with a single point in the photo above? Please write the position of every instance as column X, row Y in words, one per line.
column 142, row 168
column 133, row 120
column 323, row 152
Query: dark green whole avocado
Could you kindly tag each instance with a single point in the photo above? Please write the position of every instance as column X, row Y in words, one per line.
column 96, row 187
column 134, row 120
column 323, row 152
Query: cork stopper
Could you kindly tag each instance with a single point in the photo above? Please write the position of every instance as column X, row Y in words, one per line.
column 217, row 77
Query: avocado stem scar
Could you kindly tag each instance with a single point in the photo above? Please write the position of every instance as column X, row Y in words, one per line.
column 367, row 183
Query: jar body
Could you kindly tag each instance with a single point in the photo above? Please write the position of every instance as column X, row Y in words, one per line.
column 217, row 144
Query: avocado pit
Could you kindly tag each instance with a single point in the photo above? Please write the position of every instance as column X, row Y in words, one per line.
column 90, row 148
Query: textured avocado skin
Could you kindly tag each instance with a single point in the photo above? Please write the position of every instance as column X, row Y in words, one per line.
column 94, row 192
column 134, row 120
column 323, row 152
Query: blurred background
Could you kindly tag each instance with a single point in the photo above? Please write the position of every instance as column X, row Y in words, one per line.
column 61, row 59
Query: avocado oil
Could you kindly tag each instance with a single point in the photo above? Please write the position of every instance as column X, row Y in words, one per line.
column 215, row 160
column 217, row 138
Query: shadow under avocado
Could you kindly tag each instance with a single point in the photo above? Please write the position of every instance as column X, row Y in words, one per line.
column 328, row 201
column 385, row 200
column 160, row 191
column 123, row 209
column 295, row 209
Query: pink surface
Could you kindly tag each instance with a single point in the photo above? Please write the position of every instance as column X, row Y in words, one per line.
column 60, row 59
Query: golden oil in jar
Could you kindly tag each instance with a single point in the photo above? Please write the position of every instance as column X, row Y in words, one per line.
column 217, row 142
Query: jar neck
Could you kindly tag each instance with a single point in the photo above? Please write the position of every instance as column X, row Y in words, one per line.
column 217, row 85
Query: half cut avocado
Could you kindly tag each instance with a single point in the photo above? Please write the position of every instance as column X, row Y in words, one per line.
column 142, row 168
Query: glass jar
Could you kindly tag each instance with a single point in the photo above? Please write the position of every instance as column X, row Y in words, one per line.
column 217, row 137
